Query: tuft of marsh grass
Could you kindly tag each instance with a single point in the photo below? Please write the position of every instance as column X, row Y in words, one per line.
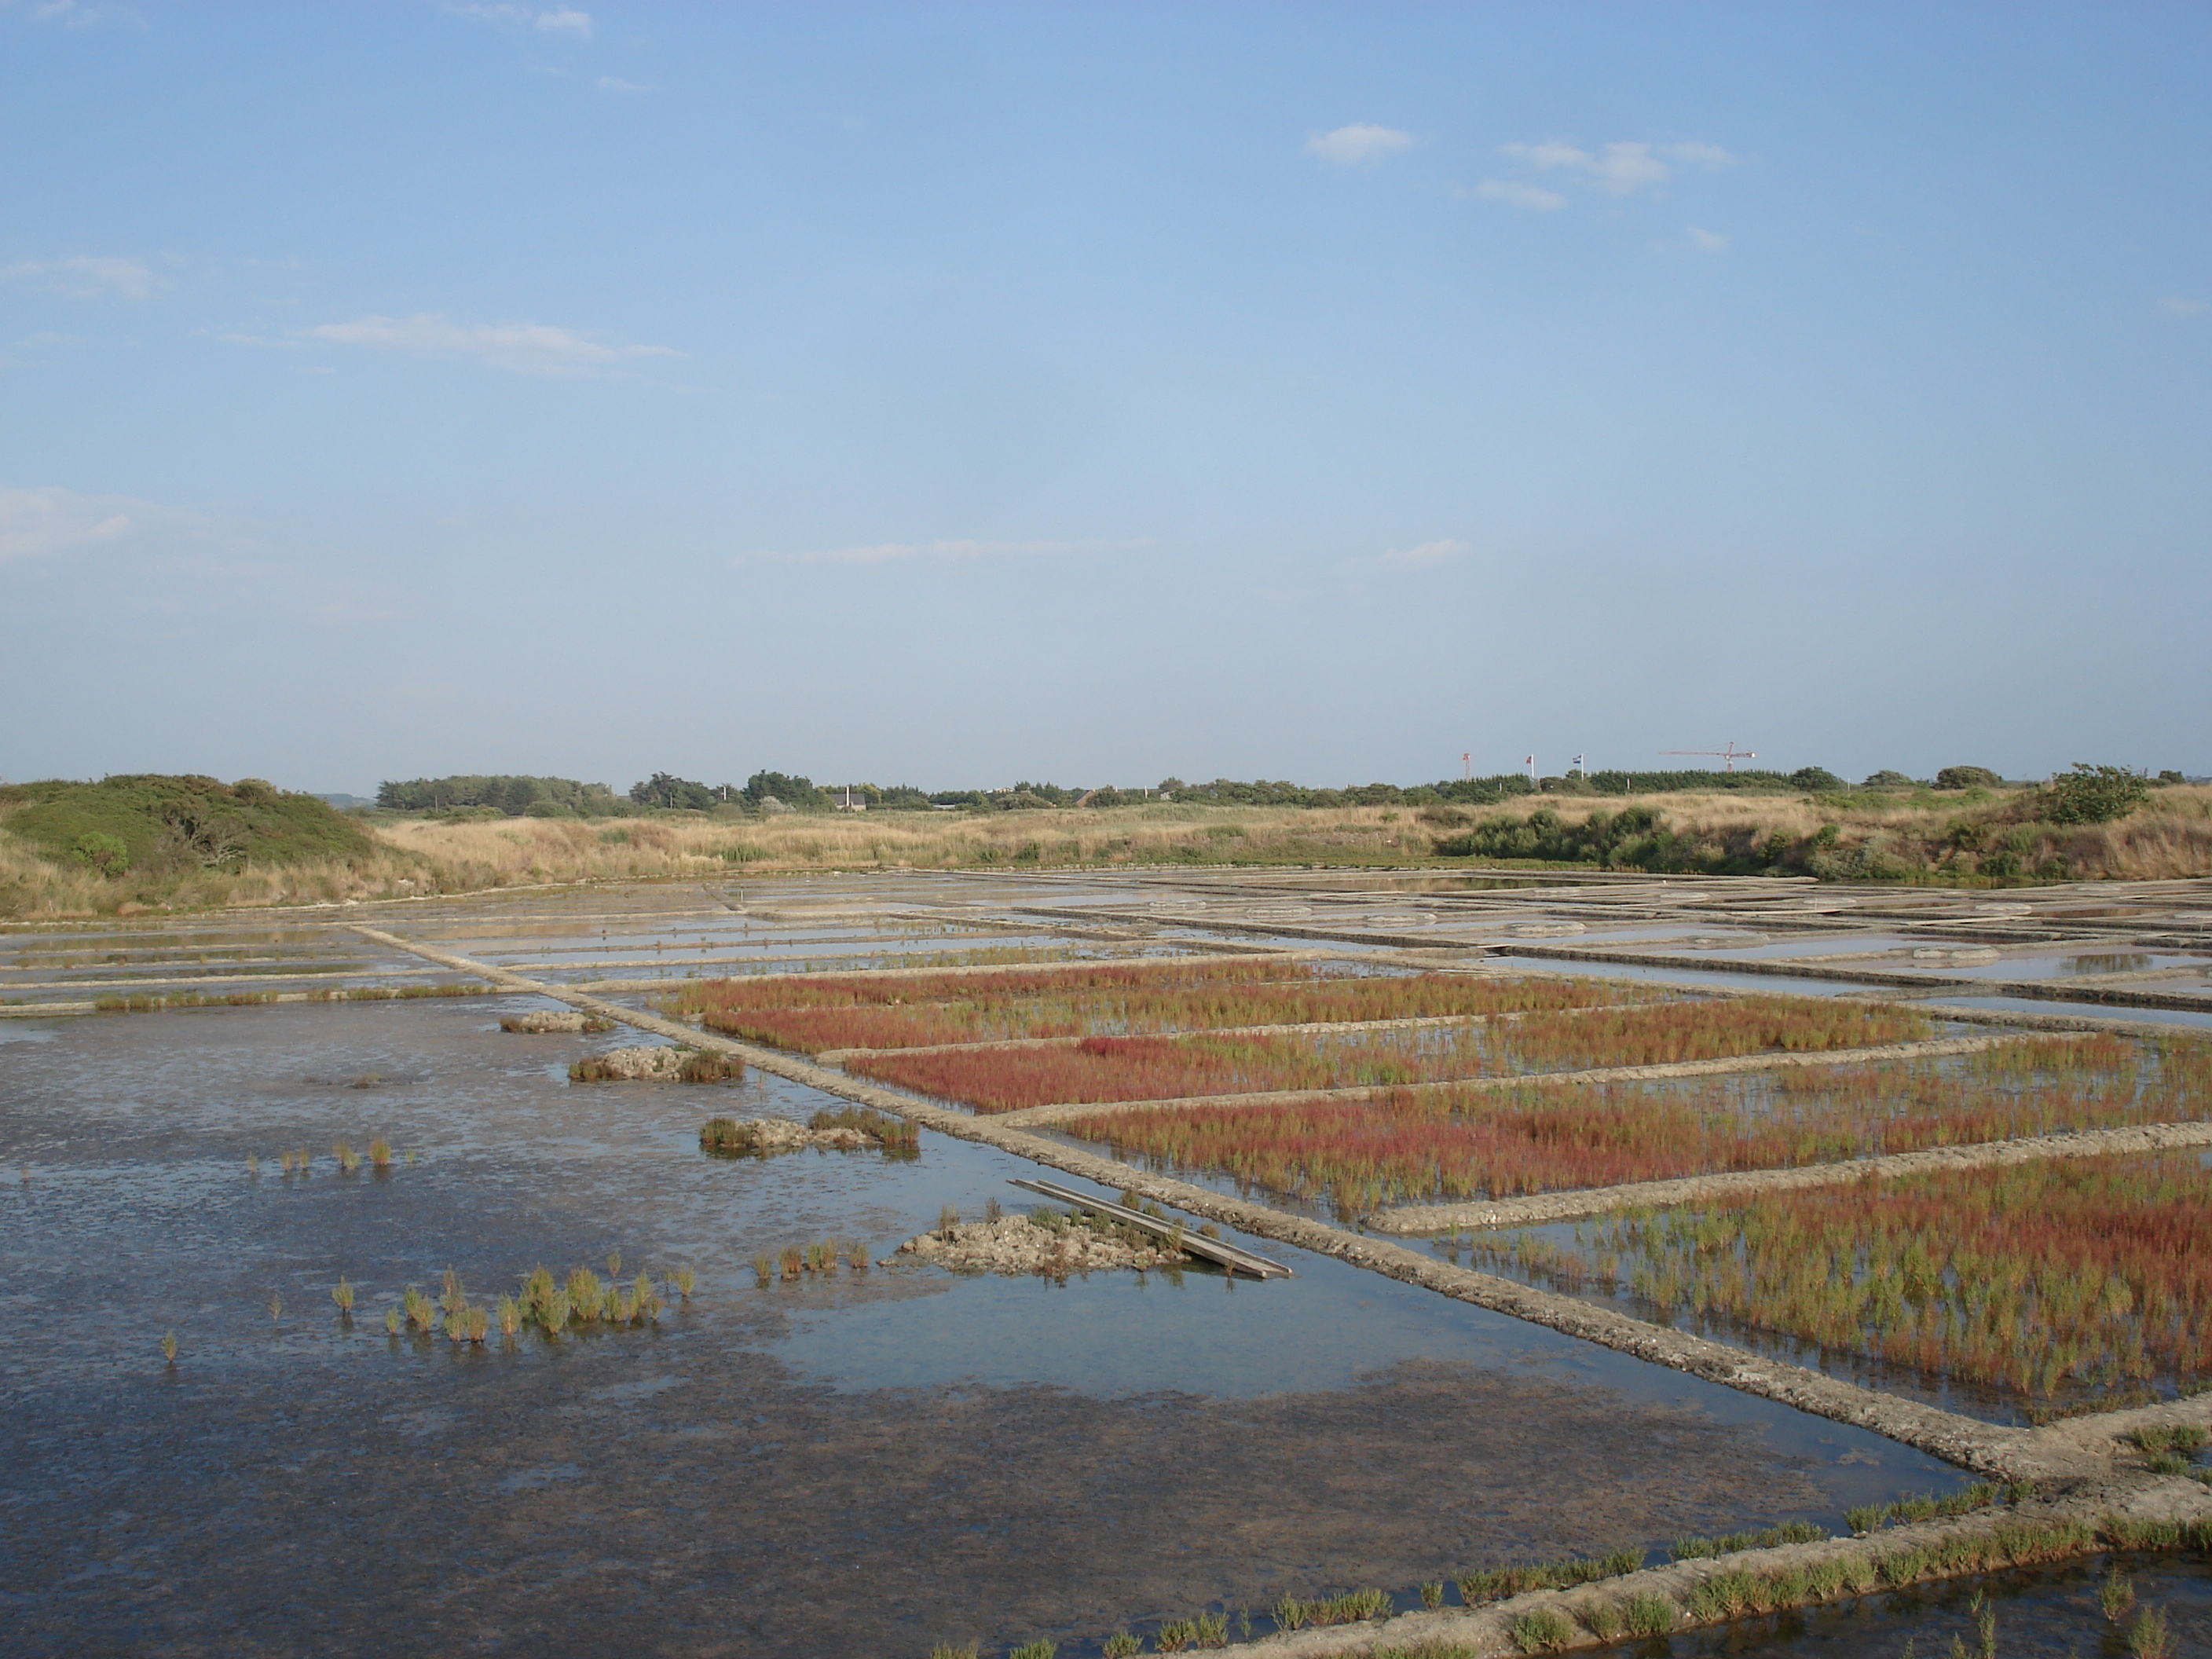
column 1648, row 1612
column 2148, row 1638
column 1497, row 1583
column 276, row 1305
column 341, row 1293
column 763, row 1270
column 1201, row 1630
column 946, row 1651
column 510, row 1316
column 169, row 1347
column 392, row 1320
column 379, row 1154
column 1602, row 1619
column 614, row 1264
column 348, row 1160
column 948, row 1218
column 1432, row 1596
column 684, row 1281
column 1542, row 1630
column 1694, row 1548
column 252, row 1167
column 1122, row 1645
column 1042, row 1648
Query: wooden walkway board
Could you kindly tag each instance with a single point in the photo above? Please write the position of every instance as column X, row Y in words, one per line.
column 1221, row 1254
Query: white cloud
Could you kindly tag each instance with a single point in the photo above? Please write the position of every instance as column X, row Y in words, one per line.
column 1521, row 194
column 615, row 83
column 39, row 523
column 1623, row 167
column 522, row 347
column 1709, row 241
column 1426, row 556
column 557, row 20
column 1618, row 169
column 2181, row 308
column 886, row 552
column 86, row 277
column 1359, row 141
column 76, row 14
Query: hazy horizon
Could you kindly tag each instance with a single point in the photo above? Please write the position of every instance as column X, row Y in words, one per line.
column 956, row 394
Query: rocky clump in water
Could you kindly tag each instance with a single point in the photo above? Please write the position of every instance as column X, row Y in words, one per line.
column 538, row 1021
column 656, row 1063
column 1045, row 1243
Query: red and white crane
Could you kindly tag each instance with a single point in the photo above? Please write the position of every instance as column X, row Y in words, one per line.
column 1731, row 755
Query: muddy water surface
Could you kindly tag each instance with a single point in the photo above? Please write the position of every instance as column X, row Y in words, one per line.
column 866, row 1465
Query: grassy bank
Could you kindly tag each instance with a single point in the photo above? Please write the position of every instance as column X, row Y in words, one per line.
column 207, row 846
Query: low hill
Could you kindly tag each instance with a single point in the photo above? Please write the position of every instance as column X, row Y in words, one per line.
column 149, row 832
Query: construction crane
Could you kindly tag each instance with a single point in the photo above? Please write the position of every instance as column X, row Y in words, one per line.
column 1731, row 754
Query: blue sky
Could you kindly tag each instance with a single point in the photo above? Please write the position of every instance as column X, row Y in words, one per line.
column 952, row 394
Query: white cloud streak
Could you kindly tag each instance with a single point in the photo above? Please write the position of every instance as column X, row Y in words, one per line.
column 86, row 277
column 2178, row 307
column 555, row 20
column 1425, row 556
column 519, row 347
column 1708, row 241
column 1621, row 168
column 47, row 522
column 1521, row 194
column 1360, row 141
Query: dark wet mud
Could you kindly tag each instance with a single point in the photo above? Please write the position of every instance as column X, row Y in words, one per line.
column 867, row 1465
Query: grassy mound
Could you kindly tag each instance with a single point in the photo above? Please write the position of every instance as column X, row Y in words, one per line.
column 157, row 825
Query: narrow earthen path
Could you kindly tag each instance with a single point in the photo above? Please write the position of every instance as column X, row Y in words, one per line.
column 1541, row 1207
column 1067, row 1111
column 1303, row 1028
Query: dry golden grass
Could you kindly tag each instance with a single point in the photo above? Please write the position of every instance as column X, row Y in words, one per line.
column 2170, row 837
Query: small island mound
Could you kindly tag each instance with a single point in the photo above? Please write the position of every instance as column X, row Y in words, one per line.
column 539, row 1021
column 849, row 1129
column 1051, row 1244
column 656, row 1063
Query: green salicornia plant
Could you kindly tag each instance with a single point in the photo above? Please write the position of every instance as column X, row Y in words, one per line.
column 1042, row 1648
column 1122, row 1645
column 1542, row 1629
column 392, row 1320
column 946, row 1651
column 1432, row 1594
column 2148, row 1636
column 686, row 1280
column 2116, row 1594
column 1648, row 1612
column 341, row 1293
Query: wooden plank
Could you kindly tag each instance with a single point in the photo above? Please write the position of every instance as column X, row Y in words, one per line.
column 1231, row 1256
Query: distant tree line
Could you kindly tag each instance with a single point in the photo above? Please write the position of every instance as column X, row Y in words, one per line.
column 2078, row 797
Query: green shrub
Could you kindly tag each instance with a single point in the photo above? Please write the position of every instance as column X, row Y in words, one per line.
column 109, row 855
column 2093, row 794
column 1967, row 777
column 1542, row 1630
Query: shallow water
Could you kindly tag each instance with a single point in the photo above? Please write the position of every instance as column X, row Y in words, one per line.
column 948, row 1443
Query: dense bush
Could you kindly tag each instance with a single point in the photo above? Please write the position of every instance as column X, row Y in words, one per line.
column 1967, row 777
column 2093, row 794
column 1817, row 781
